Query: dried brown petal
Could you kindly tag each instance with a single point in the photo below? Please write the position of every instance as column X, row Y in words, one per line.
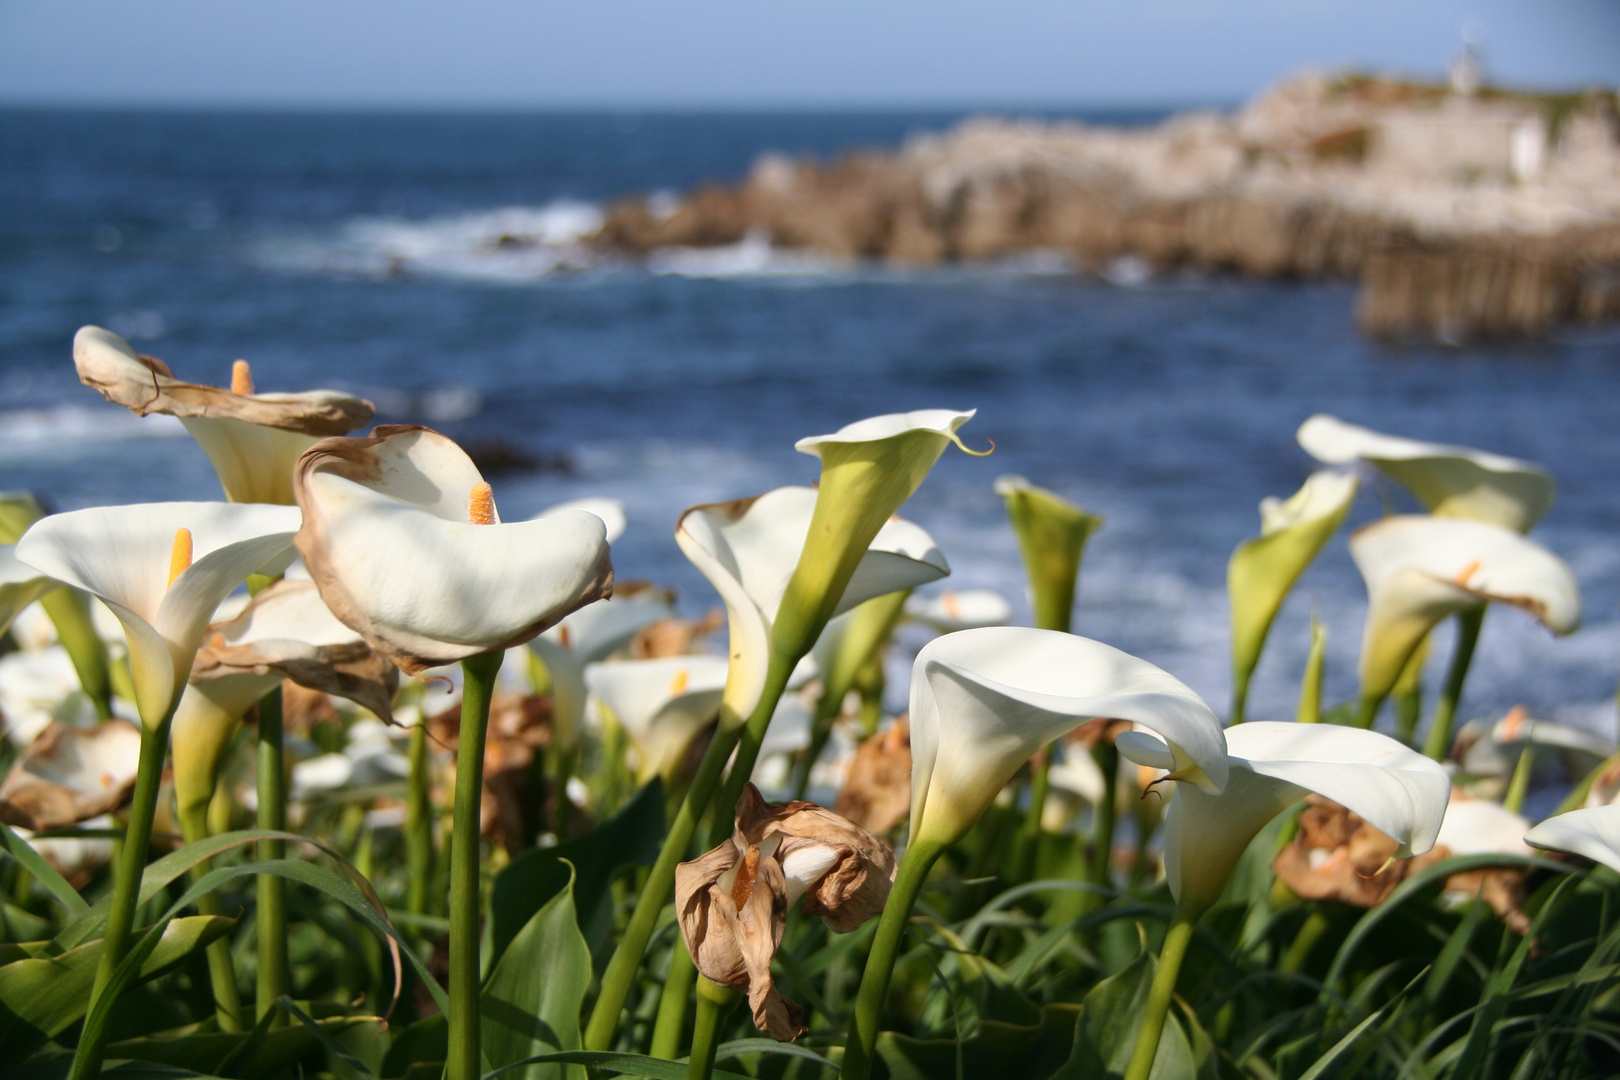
column 877, row 789
column 68, row 775
column 1337, row 856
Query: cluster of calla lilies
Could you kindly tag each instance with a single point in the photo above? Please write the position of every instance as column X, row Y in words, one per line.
column 340, row 564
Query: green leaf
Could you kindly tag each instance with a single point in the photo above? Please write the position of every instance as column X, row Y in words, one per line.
column 632, row 837
column 41, row 997
column 338, row 1057
column 531, row 1001
column 55, row 1066
column 273, row 1051
column 738, row 1047
column 425, row 1042
column 1106, row 1035
column 44, row 872
column 1036, row 1049
column 611, row 1061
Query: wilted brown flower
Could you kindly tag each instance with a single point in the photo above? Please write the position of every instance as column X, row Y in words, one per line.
column 68, row 775
column 732, row 902
column 877, row 789
column 1337, row 856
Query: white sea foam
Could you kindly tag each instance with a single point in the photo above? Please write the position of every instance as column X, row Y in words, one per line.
column 752, row 256
column 24, row 431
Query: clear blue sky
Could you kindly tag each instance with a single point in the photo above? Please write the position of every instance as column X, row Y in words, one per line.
column 685, row 53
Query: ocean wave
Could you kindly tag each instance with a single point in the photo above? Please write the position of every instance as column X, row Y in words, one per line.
column 25, row 430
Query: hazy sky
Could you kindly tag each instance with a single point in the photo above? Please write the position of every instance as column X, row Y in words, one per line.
column 760, row 52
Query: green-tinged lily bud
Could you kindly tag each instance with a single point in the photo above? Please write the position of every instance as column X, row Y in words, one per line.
column 162, row 568
column 208, row 716
column 253, row 440
column 662, row 705
column 1421, row 569
column 868, row 469
column 1264, row 568
column 983, row 701
column 1310, row 687
column 1052, row 534
column 18, row 510
column 1450, row 481
column 748, row 549
column 1273, row 765
column 1593, row 833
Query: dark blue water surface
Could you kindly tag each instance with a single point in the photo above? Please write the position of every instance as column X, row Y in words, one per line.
column 360, row 252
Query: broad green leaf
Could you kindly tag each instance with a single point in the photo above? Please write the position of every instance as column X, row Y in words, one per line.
column 55, row 1066
column 426, row 1041
column 613, row 1062
column 273, row 1052
column 1037, row 1049
column 631, row 837
column 44, row 872
column 338, row 1057
column 531, row 1001
column 1106, row 1035
column 41, row 997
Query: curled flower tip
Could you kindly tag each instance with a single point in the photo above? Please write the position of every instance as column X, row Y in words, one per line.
column 180, row 554
column 975, row 453
column 481, row 505
column 241, row 379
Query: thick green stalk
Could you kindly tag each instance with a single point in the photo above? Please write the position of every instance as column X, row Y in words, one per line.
column 821, row 725
column 891, row 931
column 126, row 889
column 1310, row 932
column 1240, row 697
column 1028, row 838
column 221, row 968
column 69, row 611
column 713, row 1002
column 667, row 1029
column 1174, row 951
column 270, row 923
column 419, row 823
column 1367, row 710
column 477, row 688
column 1102, row 820
column 1438, row 743
column 749, row 742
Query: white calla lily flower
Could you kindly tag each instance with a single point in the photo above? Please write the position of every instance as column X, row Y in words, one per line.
column 1271, row 765
column 401, row 536
column 163, row 569
column 1482, row 827
column 951, row 610
column 253, row 440
column 592, row 634
column 1450, row 481
column 1592, row 832
column 748, row 550
column 1264, row 568
column 68, row 775
column 35, row 686
column 1421, row 569
column 983, row 701
column 661, row 704
column 611, row 511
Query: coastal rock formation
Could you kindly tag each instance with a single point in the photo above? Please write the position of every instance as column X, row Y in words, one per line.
column 1461, row 214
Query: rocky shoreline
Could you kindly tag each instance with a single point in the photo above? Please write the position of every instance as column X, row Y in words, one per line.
column 1462, row 215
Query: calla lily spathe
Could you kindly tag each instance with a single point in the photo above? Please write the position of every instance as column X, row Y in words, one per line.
column 389, row 540
column 1264, row 568
column 591, row 634
column 748, row 550
column 611, row 511
column 662, row 704
column 1450, row 481
column 1272, row 765
column 1421, row 569
column 1052, row 534
column 983, row 701
column 127, row 556
column 951, row 610
column 253, row 440
column 1593, row 833
column 868, row 469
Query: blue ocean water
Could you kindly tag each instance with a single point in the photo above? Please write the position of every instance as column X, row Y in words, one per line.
column 430, row 262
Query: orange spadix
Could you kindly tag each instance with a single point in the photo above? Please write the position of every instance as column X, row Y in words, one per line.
column 481, row 504
column 180, row 554
column 241, row 379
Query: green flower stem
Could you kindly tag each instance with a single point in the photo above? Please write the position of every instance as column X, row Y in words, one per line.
column 1309, row 710
column 463, row 1061
column 1028, row 839
column 1367, row 710
column 713, row 1004
column 1310, row 932
column 1240, row 697
column 221, row 968
column 863, row 1028
column 1102, row 822
column 621, row 970
column 270, row 923
column 419, row 822
column 69, row 611
column 126, row 890
column 1174, row 951
column 667, row 1029
column 1438, row 743
column 821, row 725
column 1519, row 785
